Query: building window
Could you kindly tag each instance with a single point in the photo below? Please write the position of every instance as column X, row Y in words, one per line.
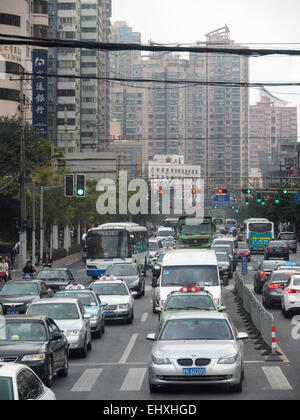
column 12, row 20
column 9, row 94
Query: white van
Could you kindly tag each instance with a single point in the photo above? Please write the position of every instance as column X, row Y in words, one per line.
column 181, row 267
column 165, row 233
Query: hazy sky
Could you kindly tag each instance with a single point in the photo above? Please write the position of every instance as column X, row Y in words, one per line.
column 249, row 21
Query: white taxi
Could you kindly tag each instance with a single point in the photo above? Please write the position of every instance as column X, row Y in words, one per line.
column 290, row 298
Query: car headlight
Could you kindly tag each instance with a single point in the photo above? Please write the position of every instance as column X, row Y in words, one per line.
column 228, row 359
column 94, row 318
column 72, row 333
column 160, row 360
column 124, row 306
column 33, row 357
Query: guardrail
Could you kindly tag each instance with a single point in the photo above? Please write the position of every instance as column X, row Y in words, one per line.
column 262, row 320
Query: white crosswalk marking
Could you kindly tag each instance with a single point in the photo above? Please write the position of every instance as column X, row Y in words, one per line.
column 128, row 349
column 87, row 380
column 144, row 317
column 134, row 379
column 276, row 378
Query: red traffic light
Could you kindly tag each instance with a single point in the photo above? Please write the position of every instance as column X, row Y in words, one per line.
column 160, row 191
column 222, row 191
column 194, row 191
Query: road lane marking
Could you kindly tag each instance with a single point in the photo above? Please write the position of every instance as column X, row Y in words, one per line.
column 144, row 317
column 134, row 379
column 276, row 378
column 128, row 349
column 87, row 380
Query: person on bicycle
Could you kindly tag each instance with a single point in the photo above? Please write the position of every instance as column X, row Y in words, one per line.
column 28, row 269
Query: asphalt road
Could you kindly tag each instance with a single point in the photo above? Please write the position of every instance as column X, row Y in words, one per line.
column 116, row 367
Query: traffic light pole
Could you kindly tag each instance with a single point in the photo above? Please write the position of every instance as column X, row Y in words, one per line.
column 23, row 232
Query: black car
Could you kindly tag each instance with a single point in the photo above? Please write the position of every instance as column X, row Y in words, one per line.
column 271, row 292
column 130, row 273
column 277, row 249
column 263, row 271
column 37, row 342
column 17, row 295
column 228, row 249
column 56, row 278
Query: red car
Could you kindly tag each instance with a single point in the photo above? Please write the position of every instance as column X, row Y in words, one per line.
column 243, row 249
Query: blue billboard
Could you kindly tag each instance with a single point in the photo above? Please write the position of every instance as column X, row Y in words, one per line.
column 40, row 92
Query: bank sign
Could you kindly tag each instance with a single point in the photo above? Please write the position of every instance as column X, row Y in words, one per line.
column 258, row 241
column 40, row 92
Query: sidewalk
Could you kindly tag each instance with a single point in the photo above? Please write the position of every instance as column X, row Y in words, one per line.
column 61, row 263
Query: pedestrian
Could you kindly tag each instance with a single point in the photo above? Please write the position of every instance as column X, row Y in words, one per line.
column 47, row 261
column 8, row 261
column 4, row 269
column 13, row 255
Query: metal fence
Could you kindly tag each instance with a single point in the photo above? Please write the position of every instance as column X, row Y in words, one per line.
column 262, row 319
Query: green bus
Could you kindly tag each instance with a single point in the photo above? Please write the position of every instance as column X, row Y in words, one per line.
column 194, row 232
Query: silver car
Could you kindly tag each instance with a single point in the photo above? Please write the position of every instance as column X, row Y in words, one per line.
column 71, row 318
column 290, row 239
column 120, row 301
column 197, row 348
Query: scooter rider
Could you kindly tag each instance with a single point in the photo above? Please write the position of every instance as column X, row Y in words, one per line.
column 28, row 269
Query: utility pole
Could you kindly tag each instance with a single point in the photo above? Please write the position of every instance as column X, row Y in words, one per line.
column 33, row 222
column 23, row 232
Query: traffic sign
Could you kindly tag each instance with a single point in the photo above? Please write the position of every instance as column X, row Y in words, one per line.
column 297, row 198
column 221, row 200
column 244, row 265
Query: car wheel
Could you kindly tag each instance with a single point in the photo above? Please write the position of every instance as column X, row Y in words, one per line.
column 103, row 327
column 89, row 346
column 130, row 319
column 266, row 304
column 48, row 380
column 98, row 334
column 83, row 351
column 63, row 373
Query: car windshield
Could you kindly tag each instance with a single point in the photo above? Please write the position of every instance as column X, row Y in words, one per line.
column 85, row 298
column 269, row 265
column 222, row 257
column 122, row 270
column 243, row 245
column 285, row 275
column 196, row 329
column 22, row 331
column 6, row 389
column 52, row 275
column 55, row 310
column 22, row 288
column 276, row 244
column 183, row 275
column 165, row 233
column 110, row 289
column 153, row 246
column 190, row 302
column 286, row 236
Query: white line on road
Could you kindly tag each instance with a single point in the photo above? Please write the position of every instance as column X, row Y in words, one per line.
column 128, row 349
column 134, row 379
column 276, row 377
column 144, row 317
column 87, row 380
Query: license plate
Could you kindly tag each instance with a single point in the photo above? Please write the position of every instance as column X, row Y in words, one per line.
column 109, row 313
column 260, row 248
column 194, row 371
column 278, row 250
column 11, row 311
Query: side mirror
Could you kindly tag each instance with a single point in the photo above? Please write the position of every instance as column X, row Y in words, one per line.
column 103, row 304
column 157, row 309
column 87, row 316
column 57, row 336
column 154, row 281
column 134, row 293
column 151, row 337
column 222, row 308
column 241, row 336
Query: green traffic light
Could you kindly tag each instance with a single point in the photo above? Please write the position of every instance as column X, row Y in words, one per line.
column 80, row 192
column 285, row 191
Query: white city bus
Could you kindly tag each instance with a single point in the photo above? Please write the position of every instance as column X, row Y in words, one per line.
column 257, row 232
column 114, row 243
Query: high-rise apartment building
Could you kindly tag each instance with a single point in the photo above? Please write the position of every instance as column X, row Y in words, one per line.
column 77, row 108
column 271, row 124
column 208, row 124
column 25, row 18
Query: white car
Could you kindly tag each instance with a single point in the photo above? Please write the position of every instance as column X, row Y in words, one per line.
column 71, row 317
column 19, row 382
column 120, row 301
column 290, row 298
column 165, row 234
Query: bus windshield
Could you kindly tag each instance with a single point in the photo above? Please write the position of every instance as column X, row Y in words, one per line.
column 108, row 244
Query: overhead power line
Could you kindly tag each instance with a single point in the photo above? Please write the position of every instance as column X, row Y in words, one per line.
column 113, row 46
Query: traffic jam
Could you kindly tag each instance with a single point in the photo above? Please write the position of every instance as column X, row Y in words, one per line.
column 182, row 269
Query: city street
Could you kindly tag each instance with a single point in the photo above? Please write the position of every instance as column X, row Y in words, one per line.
column 116, row 368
